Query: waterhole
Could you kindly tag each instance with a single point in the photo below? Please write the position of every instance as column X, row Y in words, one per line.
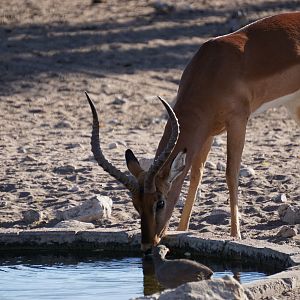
column 96, row 276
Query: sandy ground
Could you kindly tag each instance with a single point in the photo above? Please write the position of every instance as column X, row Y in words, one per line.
column 124, row 53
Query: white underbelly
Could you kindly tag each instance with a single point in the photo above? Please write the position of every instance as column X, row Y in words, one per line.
column 277, row 102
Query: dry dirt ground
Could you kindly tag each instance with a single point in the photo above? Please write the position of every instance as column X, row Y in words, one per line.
column 124, row 53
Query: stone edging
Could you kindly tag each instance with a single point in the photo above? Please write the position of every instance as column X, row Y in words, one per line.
column 264, row 252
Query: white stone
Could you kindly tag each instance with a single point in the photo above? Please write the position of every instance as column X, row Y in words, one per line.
column 287, row 232
column 75, row 224
column 93, row 209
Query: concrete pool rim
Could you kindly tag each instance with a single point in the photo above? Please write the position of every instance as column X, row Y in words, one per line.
column 285, row 256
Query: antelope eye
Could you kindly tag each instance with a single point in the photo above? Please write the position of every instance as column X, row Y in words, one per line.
column 160, row 204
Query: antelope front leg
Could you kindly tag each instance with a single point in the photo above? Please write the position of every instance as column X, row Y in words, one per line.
column 195, row 179
column 236, row 131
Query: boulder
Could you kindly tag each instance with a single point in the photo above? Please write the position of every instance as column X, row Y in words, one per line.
column 93, row 209
column 213, row 289
column 30, row 216
column 289, row 214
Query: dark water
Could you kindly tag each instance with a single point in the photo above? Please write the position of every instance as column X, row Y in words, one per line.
column 92, row 277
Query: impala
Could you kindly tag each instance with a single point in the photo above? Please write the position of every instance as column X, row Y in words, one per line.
column 229, row 79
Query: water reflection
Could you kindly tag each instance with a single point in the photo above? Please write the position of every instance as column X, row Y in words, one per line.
column 151, row 285
column 96, row 275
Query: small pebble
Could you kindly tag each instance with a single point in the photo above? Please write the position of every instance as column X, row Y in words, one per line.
column 8, row 187
column 210, row 165
column 22, row 150
column 63, row 170
column 24, row 194
column 119, row 101
column 122, row 143
column 62, row 124
column 221, row 166
column 163, row 7
column 28, row 158
column 112, row 146
column 247, row 172
column 280, row 198
column 73, row 145
column 218, row 142
column 74, row 189
column 287, row 232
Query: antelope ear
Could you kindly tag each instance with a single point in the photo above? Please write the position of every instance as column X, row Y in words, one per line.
column 133, row 164
column 177, row 166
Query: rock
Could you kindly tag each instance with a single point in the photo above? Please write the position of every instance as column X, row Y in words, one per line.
column 280, row 198
column 24, row 194
column 213, row 289
column 73, row 145
column 3, row 203
column 286, row 232
column 62, row 124
column 30, row 216
column 218, row 217
column 93, row 209
column 282, row 210
column 247, row 172
column 163, row 7
column 75, row 224
column 180, row 201
column 22, row 150
column 260, row 199
column 221, row 166
column 28, row 158
column 210, row 165
column 217, row 142
column 122, row 143
column 63, row 170
column 8, row 187
column 119, row 101
column 74, row 189
column 112, row 146
column 289, row 214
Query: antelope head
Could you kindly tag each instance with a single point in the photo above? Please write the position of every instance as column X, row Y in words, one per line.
column 149, row 189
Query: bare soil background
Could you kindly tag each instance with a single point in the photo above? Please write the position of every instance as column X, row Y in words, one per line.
column 124, row 53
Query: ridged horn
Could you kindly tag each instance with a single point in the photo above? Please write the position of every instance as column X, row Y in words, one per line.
column 149, row 183
column 128, row 181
